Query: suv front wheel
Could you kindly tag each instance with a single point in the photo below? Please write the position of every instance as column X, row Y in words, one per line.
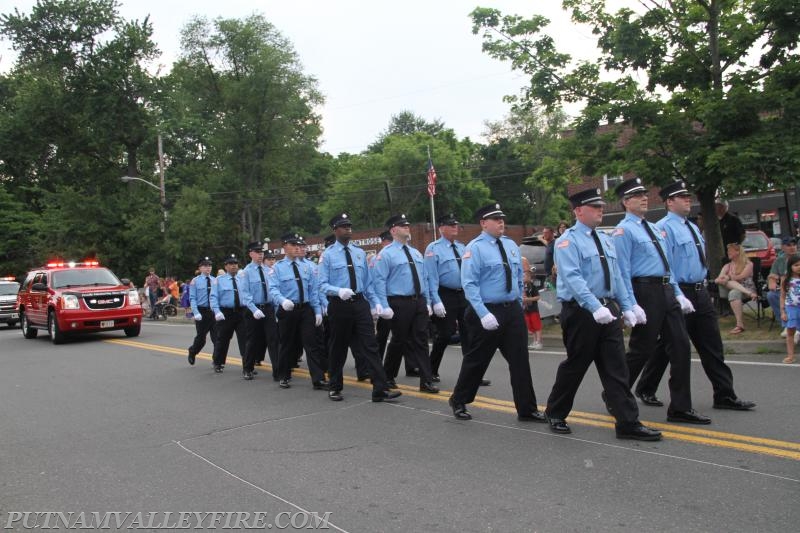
column 27, row 331
column 52, row 327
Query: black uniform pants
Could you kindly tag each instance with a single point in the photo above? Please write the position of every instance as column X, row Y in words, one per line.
column 298, row 332
column 511, row 338
column 382, row 329
column 703, row 329
column 258, row 333
column 588, row 342
column 664, row 321
column 233, row 323
column 409, row 336
column 203, row 328
column 455, row 304
column 351, row 325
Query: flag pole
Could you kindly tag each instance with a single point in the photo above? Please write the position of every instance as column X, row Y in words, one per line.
column 433, row 211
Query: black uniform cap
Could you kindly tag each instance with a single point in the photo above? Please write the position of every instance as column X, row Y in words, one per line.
column 292, row 238
column 397, row 220
column 448, row 220
column 631, row 186
column 489, row 211
column 674, row 189
column 587, row 197
column 204, row 261
column 255, row 246
column 342, row 219
column 231, row 259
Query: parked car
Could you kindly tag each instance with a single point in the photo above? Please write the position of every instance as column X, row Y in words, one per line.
column 758, row 244
column 67, row 297
column 8, row 300
column 534, row 250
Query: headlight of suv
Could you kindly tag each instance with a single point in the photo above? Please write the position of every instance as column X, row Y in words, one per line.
column 133, row 297
column 70, row 301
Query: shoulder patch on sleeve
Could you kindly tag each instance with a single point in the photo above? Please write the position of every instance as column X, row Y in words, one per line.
column 378, row 257
column 564, row 243
column 663, row 233
column 467, row 254
column 618, row 232
column 429, row 253
column 191, row 282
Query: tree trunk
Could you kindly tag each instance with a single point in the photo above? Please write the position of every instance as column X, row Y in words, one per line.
column 711, row 231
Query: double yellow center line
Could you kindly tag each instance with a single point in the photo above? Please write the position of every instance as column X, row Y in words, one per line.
column 733, row 441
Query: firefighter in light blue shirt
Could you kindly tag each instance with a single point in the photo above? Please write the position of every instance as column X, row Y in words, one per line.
column 200, row 302
column 641, row 253
column 491, row 275
column 254, row 281
column 228, row 302
column 294, row 291
column 402, row 291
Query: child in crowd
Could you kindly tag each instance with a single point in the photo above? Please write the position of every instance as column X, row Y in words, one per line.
column 531, row 308
column 790, row 304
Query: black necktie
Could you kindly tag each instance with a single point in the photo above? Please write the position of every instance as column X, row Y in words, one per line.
column 455, row 253
column 414, row 274
column 657, row 245
column 263, row 283
column 351, row 270
column 208, row 290
column 603, row 260
column 298, row 280
column 697, row 243
column 236, row 302
column 506, row 266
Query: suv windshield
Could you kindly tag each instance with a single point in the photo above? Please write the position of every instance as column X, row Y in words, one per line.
column 755, row 241
column 84, row 276
column 7, row 289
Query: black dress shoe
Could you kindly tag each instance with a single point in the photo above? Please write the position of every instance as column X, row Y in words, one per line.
column 392, row 384
column 335, row 396
column 436, row 378
column 689, row 417
column 321, row 385
column 284, row 384
column 650, row 399
column 362, row 378
column 218, row 369
column 486, row 382
column 535, row 416
column 248, row 375
column 733, row 403
column 459, row 410
column 428, row 387
column 191, row 357
column 412, row 373
column 638, row 432
column 255, row 372
column 386, row 395
column 558, row 425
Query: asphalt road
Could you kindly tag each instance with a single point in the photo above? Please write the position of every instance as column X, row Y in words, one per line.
column 110, row 424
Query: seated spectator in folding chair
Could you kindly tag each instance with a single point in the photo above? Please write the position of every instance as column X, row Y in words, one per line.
column 735, row 283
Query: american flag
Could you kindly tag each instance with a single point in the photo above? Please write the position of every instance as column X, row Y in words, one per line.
column 431, row 179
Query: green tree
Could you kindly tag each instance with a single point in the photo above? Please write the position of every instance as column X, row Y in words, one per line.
column 718, row 104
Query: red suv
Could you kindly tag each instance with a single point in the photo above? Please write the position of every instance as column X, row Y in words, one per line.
column 757, row 244
column 65, row 298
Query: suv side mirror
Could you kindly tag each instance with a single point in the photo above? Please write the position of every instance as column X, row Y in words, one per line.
column 125, row 281
column 39, row 287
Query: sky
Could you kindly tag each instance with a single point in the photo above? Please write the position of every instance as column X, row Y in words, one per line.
column 372, row 58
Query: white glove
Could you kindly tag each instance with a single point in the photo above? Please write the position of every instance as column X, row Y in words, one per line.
column 377, row 311
column 317, row 320
column 629, row 318
column 346, row 294
column 641, row 317
column 287, row 305
column 325, row 311
column 198, row 317
column 438, row 310
column 219, row 316
column 387, row 313
column 430, row 311
column 686, row 304
column 603, row 316
column 489, row 322
column 258, row 315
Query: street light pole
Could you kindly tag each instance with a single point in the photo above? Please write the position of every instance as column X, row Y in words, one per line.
column 128, row 179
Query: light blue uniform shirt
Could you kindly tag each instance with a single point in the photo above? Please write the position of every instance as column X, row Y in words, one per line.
column 283, row 284
column 252, row 280
column 199, row 295
column 483, row 275
column 681, row 249
column 222, row 293
column 580, row 271
column 392, row 273
column 333, row 274
column 636, row 254
column 441, row 266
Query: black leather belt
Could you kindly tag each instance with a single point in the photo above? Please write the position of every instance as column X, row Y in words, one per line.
column 230, row 309
column 204, row 309
column 658, row 280
column 448, row 289
column 357, row 297
column 298, row 305
column 696, row 287
column 412, row 297
column 604, row 301
column 262, row 306
column 503, row 304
